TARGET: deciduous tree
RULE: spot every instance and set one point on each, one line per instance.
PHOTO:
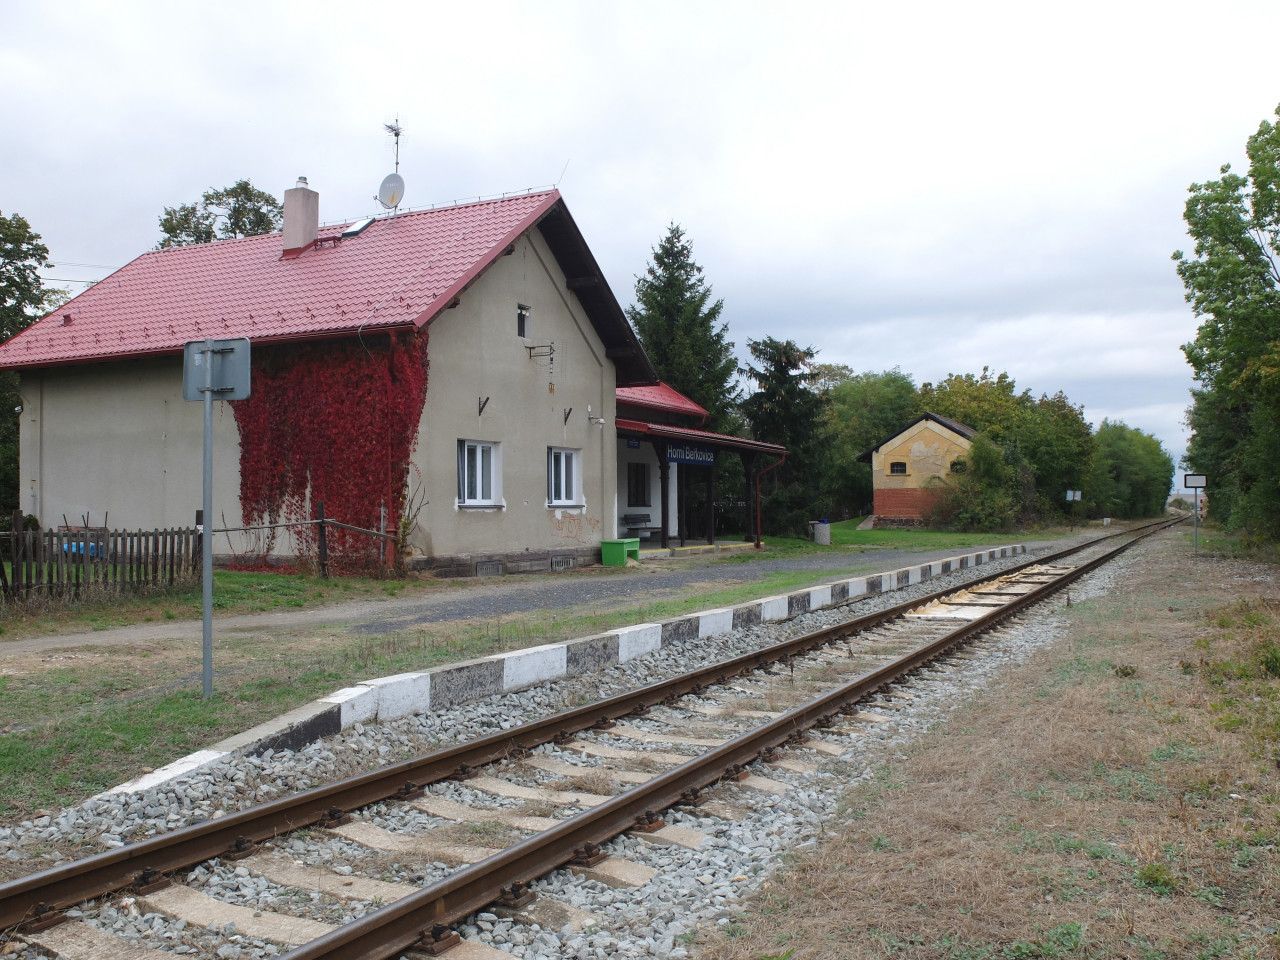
(862, 410)
(1129, 475)
(1232, 281)
(1047, 442)
(240, 210)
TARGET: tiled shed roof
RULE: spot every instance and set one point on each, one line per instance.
(661, 396)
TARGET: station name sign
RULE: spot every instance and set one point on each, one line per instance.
(1194, 481)
(691, 454)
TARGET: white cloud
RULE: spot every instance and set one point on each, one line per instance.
(935, 186)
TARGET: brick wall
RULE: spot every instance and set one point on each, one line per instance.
(904, 502)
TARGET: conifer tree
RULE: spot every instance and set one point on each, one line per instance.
(679, 325)
(786, 409)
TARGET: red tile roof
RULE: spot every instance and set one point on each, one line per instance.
(698, 436)
(660, 396)
(399, 271)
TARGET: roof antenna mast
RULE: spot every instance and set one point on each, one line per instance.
(391, 192)
(394, 129)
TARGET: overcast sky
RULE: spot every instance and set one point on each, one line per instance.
(936, 187)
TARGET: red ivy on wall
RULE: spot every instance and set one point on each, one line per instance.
(335, 423)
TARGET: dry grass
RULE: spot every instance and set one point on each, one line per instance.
(1117, 797)
(593, 780)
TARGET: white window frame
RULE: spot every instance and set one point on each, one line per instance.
(471, 464)
(570, 493)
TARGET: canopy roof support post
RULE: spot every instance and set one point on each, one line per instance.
(664, 474)
(682, 502)
(748, 505)
(759, 507)
(711, 504)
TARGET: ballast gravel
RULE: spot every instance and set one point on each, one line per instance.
(696, 886)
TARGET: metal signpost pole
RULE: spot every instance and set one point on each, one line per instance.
(1195, 482)
(204, 384)
(206, 540)
(1197, 522)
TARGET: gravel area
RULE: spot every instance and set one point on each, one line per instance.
(319, 849)
(502, 596)
(239, 885)
(650, 582)
(126, 919)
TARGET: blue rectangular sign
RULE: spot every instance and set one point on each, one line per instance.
(691, 454)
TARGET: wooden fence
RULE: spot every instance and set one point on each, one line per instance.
(71, 563)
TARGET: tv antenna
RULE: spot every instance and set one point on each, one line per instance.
(395, 130)
(391, 192)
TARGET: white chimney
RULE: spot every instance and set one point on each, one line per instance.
(301, 217)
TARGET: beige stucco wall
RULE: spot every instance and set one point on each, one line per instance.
(928, 450)
(116, 441)
(475, 353)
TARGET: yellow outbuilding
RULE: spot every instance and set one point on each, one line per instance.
(905, 467)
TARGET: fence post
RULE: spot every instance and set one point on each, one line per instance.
(17, 578)
(323, 542)
(197, 559)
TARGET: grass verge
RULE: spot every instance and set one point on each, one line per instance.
(1116, 797)
(234, 592)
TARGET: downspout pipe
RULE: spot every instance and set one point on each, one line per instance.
(760, 473)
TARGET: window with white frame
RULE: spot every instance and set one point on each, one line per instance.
(563, 484)
(479, 473)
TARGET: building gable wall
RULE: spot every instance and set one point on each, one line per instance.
(116, 443)
(530, 404)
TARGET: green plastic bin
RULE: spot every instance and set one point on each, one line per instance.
(614, 553)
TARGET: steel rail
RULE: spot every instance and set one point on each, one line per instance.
(392, 929)
(43, 894)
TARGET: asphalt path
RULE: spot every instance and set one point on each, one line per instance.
(504, 596)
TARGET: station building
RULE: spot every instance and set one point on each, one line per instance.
(516, 459)
(907, 468)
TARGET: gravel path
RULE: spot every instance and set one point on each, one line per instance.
(505, 596)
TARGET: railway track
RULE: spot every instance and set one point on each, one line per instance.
(643, 752)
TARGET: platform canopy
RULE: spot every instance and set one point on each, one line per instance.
(692, 451)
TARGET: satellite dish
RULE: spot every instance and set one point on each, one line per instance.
(392, 191)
